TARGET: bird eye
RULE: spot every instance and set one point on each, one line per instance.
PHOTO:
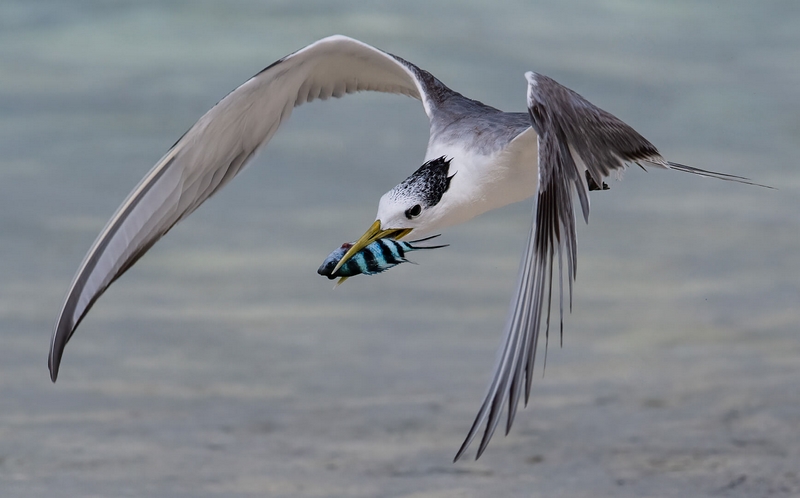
(413, 212)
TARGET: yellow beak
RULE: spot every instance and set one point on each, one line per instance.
(371, 235)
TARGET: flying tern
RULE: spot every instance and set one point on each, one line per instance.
(478, 158)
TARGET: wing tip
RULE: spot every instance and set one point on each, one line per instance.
(53, 370)
(53, 362)
(61, 335)
(463, 447)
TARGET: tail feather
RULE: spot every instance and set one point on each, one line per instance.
(714, 174)
(428, 247)
(423, 240)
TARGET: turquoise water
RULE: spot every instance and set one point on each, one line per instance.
(223, 365)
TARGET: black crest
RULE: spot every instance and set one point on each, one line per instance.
(429, 182)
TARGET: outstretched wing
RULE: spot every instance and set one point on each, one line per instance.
(575, 139)
(219, 145)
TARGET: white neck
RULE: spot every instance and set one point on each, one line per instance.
(485, 182)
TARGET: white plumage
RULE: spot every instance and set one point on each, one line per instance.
(478, 159)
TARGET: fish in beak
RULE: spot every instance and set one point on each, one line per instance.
(374, 233)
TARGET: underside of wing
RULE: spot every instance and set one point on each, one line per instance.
(219, 145)
(564, 159)
(552, 240)
(575, 139)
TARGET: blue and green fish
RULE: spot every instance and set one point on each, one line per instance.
(376, 257)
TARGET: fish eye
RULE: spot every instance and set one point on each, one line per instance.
(413, 212)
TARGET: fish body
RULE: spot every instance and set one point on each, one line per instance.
(375, 258)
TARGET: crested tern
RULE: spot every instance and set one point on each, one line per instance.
(478, 158)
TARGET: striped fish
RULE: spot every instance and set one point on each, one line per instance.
(377, 257)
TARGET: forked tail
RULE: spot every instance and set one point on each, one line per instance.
(410, 242)
(714, 174)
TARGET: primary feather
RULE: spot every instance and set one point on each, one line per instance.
(478, 158)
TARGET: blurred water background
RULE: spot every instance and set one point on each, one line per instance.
(222, 365)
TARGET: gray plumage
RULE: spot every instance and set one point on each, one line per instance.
(490, 158)
(577, 141)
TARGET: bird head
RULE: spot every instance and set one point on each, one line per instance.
(414, 204)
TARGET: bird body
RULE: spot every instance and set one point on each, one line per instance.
(478, 158)
(487, 178)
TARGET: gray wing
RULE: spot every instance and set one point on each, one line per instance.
(598, 141)
(552, 233)
(575, 138)
(219, 145)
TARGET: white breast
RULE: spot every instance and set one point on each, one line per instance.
(485, 182)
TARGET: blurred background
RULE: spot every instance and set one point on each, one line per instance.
(222, 365)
